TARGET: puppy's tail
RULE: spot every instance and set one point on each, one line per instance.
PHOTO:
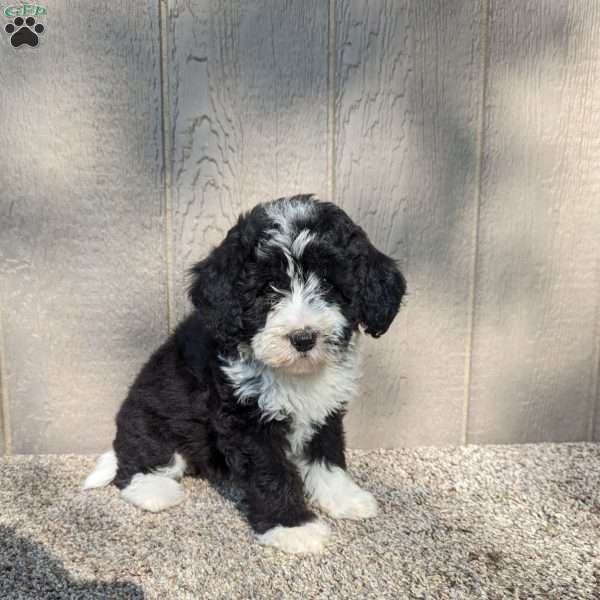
(103, 473)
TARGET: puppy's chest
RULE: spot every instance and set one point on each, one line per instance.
(307, 404)
(305, 401)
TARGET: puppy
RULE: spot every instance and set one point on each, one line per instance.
(255, 382)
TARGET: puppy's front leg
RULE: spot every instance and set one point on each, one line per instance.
(277, 508)
(324, 472)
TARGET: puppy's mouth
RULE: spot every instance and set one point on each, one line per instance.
(304, 362)
(294, 361)
(296, 351)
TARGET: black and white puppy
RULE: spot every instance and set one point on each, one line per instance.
(255, 382)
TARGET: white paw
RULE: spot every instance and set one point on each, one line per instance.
(153, 492)
(309, 538)
(359, 504)
(334, 491)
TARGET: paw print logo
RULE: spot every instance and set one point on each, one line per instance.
(24, 32)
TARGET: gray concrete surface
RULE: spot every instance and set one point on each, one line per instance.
(456, 524)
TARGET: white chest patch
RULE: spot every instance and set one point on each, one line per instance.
(306, 399)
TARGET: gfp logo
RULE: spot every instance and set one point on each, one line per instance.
(25, 10)
(24, 30)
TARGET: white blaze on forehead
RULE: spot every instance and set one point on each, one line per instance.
(304, 306)
(292, 246)
(284, 213)
(285, 235)
(300, 242)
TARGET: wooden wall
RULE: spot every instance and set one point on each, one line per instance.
(464, 135)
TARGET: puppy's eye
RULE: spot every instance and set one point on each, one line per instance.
(326, 284)
(269, 297)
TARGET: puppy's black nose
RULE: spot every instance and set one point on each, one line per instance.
(303, 339)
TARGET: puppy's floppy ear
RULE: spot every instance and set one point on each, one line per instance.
(215, 280)
(383, 287)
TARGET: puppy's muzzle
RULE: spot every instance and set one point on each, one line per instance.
(303, 339)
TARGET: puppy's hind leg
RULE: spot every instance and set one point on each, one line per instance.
(156, 490)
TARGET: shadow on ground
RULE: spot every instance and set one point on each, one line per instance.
(28, 571)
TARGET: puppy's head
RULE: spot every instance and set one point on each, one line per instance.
(292, 282)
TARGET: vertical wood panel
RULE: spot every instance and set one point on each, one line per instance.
(537, 278)
(594, 424)
(4, 409)
(248, 95)
(82, 255)
(3, 400)
(408, 82)
(81, 222)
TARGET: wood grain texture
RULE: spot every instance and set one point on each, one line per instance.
(407, 87)
(4, 408)
(538, 280)
(258, 96)
(82, 265)
(3, 400)
(248, 96)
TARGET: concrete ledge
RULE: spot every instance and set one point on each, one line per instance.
(475, 522)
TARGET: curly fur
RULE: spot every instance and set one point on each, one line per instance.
(230, 394)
